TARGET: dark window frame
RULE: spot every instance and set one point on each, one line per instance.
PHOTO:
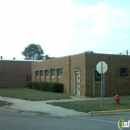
(123, 72)
(47, 72)
(41, 73)
(53, 73)
(97, 76)
(37, 73)
(59, 72)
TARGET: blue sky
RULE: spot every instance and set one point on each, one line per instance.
(64, 27)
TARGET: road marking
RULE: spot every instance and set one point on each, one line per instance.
(103, 121)
(106, 121)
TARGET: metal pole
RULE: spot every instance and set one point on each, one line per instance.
(93, 83)
(101, 82)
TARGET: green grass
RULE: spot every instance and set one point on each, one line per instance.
(31, 94)
(4, 103)
(94, 105)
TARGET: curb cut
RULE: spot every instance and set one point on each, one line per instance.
(109, 112)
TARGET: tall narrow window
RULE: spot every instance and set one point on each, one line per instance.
(53, 72)
(41, 73)
(97, 76)
(47, 72)
(37, 73)
(59, 72)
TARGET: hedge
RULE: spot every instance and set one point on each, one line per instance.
(46, 86)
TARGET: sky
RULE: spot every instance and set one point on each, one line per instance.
(64, 27)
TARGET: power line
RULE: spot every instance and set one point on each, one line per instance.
(124, 53)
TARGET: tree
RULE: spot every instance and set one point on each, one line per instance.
(47, 57)
(89, 52)
(33, 52)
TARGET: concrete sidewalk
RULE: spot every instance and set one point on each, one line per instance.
(43, 107)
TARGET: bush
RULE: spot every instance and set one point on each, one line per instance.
(46, 86)
(56, 87)
(31, 85)
(37, 86)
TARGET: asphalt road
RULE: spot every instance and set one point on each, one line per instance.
(18, 120)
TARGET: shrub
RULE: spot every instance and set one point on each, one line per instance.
(56, 87)
(29, 84)
(37, 86)
(46, 86)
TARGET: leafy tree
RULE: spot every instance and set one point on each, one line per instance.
(47, 57)
(33, 52)
(89, 52)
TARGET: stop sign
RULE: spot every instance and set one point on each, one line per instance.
(101, 67)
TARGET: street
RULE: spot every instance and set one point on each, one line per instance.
(18, 120)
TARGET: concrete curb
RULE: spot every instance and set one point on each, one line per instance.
(109, 112)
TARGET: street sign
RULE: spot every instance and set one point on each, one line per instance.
(102, 69)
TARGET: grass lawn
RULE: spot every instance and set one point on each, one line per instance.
(94, 105)
(31, 94)
(4, 103)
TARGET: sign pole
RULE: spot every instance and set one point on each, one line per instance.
(101, 82)
(101, 67)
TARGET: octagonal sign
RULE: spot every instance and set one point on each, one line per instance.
(101, 67)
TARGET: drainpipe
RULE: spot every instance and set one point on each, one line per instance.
(85, 74)
(69, 74)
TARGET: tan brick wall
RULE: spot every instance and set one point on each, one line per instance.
(120, 83)
(77, 62)
(86, 64)
(68, 65)
(62, 62)
(113, 81)
(53, 79)
(91, 62)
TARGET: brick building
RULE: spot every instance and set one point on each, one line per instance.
(14, 73)
(79, 76)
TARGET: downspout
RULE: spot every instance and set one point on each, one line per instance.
(85, 74)
(69, 74)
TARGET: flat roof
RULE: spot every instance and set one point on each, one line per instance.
(19, 60)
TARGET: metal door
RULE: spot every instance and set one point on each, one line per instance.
(77, 82)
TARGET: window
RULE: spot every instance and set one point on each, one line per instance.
(123, 72)
(37, 73)
(97, 76)
(53, 72)
(47, 72)
(41, 73)
(59, 72)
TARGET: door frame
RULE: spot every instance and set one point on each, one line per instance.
(75, 86)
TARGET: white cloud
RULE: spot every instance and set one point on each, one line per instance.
(59, 26)
(107, 19)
